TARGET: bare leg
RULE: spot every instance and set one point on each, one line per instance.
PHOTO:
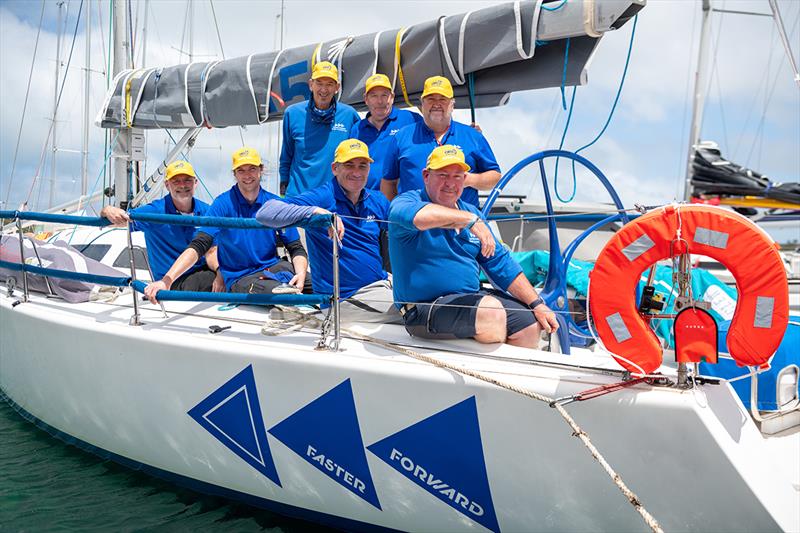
(526, 338)
(490, 321)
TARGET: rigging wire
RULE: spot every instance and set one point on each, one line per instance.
(58, 102)
(715, 77)
(768, 100)
(687, 97)
(24, 106)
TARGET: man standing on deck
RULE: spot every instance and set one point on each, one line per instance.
(363, 282)
(409, 150)
(248, 259)
(312, 130)
(438, 244)
(382, 122)
(165, 242)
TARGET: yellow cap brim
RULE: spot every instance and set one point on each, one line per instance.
(180, 174)
(376, 85)
(319, 75)
(247, 161)
(436, 90)
(347, 158)
(441, 164)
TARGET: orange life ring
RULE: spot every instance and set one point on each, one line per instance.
(762, 308)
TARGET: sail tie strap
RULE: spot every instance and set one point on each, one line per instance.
(399, 67)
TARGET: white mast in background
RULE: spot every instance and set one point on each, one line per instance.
(54, 144)
(86, 91)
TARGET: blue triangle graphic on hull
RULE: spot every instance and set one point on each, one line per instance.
(327, 435)
(443, 454)
(232, 414)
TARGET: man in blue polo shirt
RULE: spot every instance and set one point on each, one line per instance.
(312, 130)
(411, 146)
(438, 244)
(248, 259)
(164, 242)
(363, 282)
(382, 122)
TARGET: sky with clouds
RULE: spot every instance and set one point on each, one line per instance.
(752, 111)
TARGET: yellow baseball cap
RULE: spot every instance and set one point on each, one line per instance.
(246, 156)
(351, 149)
(444, 156)
(325, 69)
(179, 167)
(438, 85)
(377, 80)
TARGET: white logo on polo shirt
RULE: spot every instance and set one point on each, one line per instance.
(339, 127)
(392, 132)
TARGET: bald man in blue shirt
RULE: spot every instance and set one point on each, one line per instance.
(406, 156)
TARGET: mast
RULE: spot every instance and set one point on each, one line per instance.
(699, 96)
(87, 86)
(54, 144)
(122, 165)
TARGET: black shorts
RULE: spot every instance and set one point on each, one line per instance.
(453, 316)
(257, 283)
(200, 280)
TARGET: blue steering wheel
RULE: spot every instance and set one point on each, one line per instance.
(554, 292)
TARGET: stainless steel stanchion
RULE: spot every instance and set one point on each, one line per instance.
(135, 319)
(22, 261)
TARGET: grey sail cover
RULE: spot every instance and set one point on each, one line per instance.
(505, 48)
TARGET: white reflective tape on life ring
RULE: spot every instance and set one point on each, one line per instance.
(764, 307)
(618, 327)
(638, 247)
(709, 237)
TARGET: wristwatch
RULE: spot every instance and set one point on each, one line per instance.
(536, 303)
(475, 218)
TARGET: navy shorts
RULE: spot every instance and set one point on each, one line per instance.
(453, 316)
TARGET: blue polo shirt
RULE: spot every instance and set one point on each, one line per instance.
(409, 150)
(242, 252)
(308, 145)
(360, 261)
(165, 242)
(436, 262)
(379, 141)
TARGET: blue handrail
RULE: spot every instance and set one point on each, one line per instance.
(180, 220)
(313, 221)
(237, 298)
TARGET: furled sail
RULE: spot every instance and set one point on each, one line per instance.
(505, 48)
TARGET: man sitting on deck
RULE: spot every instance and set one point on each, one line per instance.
(165, 242)
(363, 281)
(248, 259)
(381, 124)
(438, 244)
(411, 146)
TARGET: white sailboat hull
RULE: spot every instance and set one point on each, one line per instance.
(148, 395)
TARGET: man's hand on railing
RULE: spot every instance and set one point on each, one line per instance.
(115, 215)
(152, 289)
(219, 284)
(299, 280)
(339, 225)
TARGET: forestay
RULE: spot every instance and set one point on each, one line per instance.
(506, 48)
